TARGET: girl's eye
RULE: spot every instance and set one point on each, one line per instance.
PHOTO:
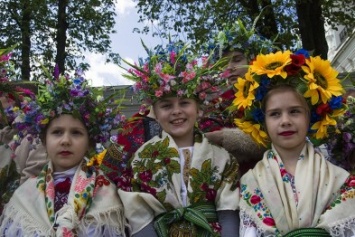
(56, 132)
(237, 59)
(273, 114)
(295, 111)
(77, 132)
(165, 106)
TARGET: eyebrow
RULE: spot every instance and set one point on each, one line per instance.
(292, 107)
(71, 128)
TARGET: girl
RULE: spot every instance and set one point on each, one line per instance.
(240, 46)
(12, 93)
(181, 184)
(293, 191)
(71, 196)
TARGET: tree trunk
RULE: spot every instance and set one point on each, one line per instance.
(61, 35)
(269, 27)
(26, 40)
(311, 26)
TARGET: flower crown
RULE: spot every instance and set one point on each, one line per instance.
(64, 95)
(237, 37)
(342, 146)
(173, 70)
(11, 90)
(312, 77)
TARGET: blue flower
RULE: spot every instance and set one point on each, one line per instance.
(336, 102)
(262, 89)
(302, 51)
(258, 115)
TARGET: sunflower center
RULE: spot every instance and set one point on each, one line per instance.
(246, 89)
(320, 80)
(273, 65)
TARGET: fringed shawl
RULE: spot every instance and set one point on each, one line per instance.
(326, 196)
(157, 179)
(93, 207)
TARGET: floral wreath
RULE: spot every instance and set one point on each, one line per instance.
(64, 95)
(312, 77)
(341, 146)
(237, 37)
(173, 70)
(9, 89)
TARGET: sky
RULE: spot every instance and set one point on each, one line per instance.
(124, 42)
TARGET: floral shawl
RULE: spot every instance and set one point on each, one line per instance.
(326, 196)
(156, 181)
(93, 207)
(9, 174)
(135, 132)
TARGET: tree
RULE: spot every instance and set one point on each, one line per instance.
(56, 32)
(284, 19)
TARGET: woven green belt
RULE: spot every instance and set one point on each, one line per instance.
(193, 220)
(308, 232)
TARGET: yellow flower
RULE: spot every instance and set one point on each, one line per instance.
(322, 80)
(322, 127)
(245, 92)
(272, 64)
(97, 159)
(254, 130)
(45, 121)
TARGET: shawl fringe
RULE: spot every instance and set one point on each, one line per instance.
(343, 228)
(247, 221)
(108, 219)
(14, 222)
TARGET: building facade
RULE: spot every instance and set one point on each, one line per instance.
(341, 54)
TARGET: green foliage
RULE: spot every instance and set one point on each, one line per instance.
(88, 26)
(199, 18)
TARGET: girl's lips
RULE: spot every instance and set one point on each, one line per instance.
(287, 133)
(65, 153)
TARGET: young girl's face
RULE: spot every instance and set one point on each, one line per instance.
(66, 141)
(177, 116)
(287, 120)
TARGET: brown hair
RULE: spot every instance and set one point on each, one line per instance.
(283, 88)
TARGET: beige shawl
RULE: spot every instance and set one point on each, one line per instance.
(326, 197)
(141, 207)
(29, 210)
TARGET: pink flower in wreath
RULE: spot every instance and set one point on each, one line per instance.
(158, 93)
